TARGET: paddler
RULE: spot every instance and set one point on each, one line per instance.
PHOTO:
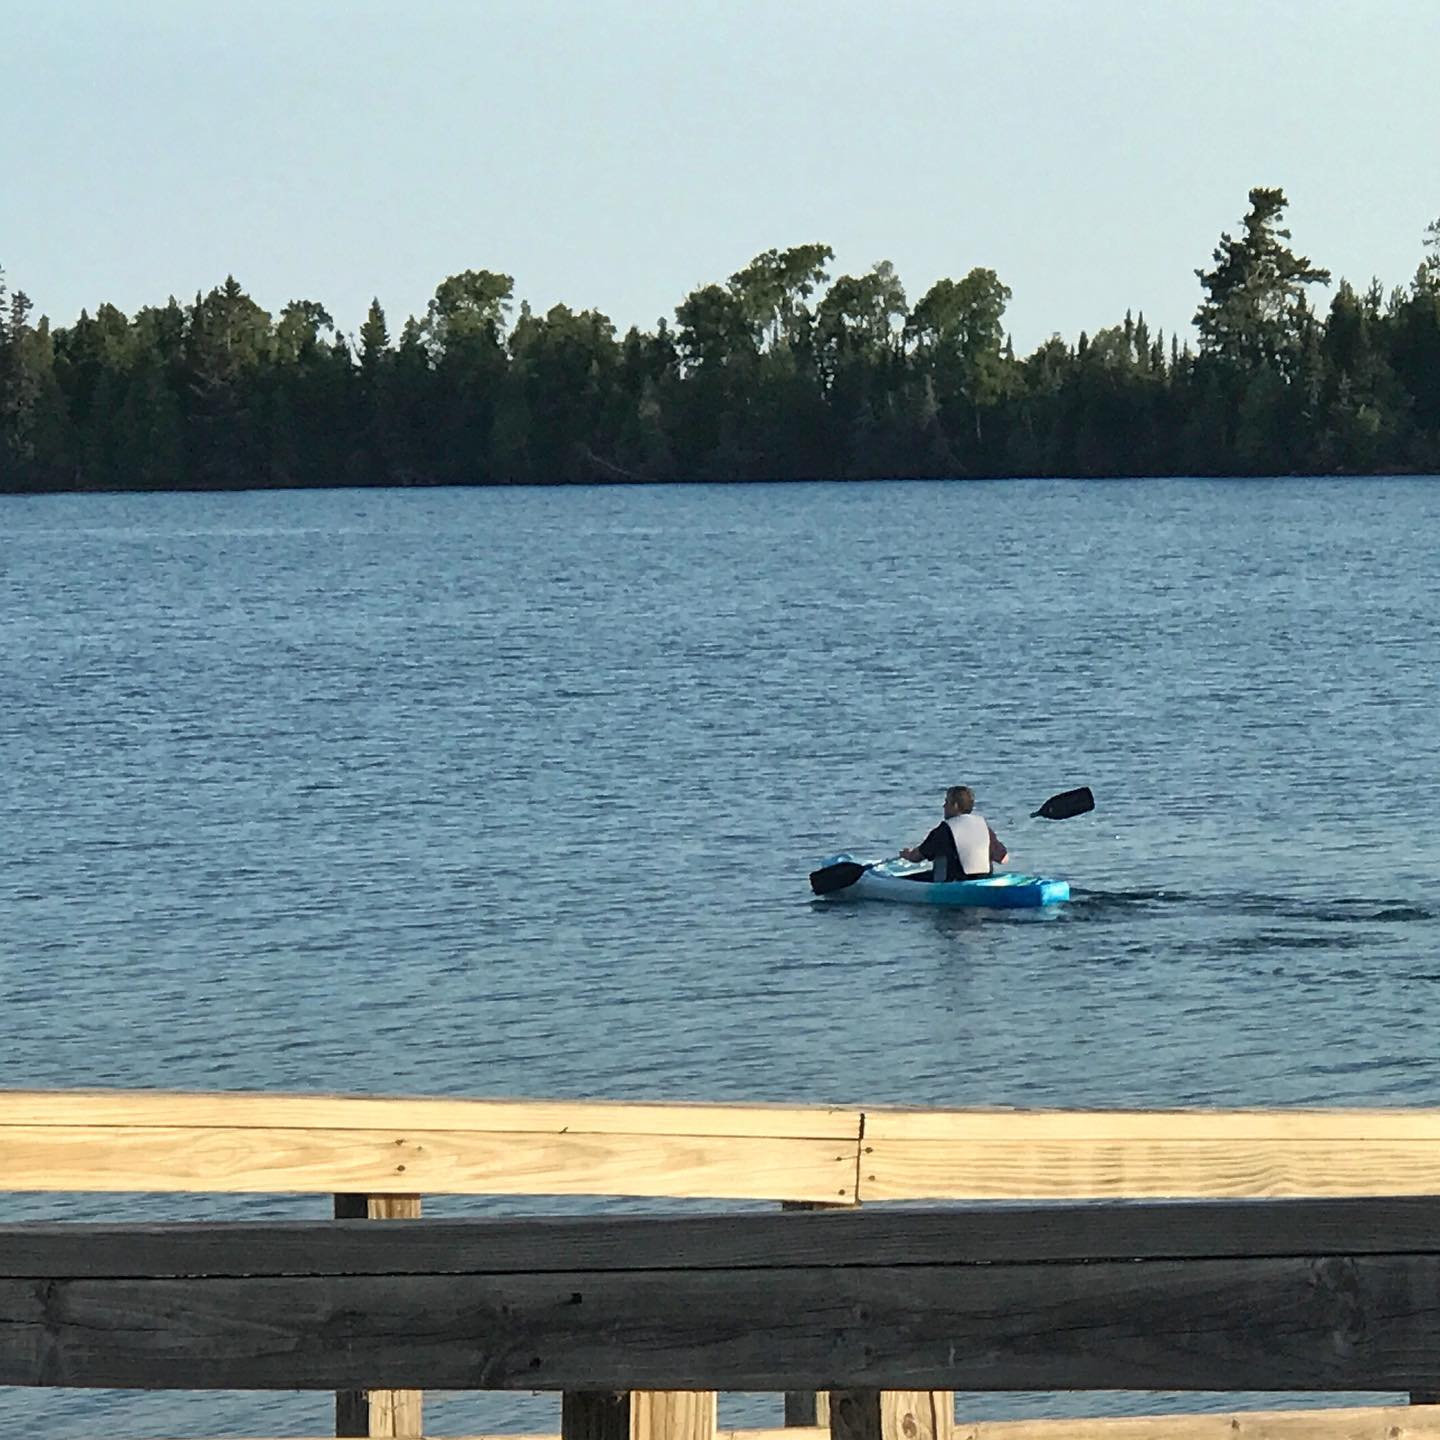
(962, 846)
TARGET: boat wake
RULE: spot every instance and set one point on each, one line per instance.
(1357, 910)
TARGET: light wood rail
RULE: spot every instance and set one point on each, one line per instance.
(159, 1141)
(1131, 1155)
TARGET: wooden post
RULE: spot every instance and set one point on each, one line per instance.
(595, 1415)
(370, 1413)
(673, 1414)
(892, 1415)
(806, 1408)
(638, 1415)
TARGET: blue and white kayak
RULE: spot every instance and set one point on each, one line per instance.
(890, 880)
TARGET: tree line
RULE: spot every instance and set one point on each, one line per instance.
(779, 373)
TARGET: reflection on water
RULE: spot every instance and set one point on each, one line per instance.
(516, 792)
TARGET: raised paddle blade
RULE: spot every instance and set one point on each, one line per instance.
(1062, 807)
(835, 877)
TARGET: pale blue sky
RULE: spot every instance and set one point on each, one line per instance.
(619, 154)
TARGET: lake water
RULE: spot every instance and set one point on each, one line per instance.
(514, 792)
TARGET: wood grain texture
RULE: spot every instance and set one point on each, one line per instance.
(760, 1433)
(638, 1415)
(954, 1236)
(806, 1410)
(1366, 1323)
(1144, 1169)
(787, 1432)
(1311, 1126)
(892, 1415)
(378, 1413)
(391, 1414)
(595, 1415)
(248, 1110)
(1083, 1154)
(673, 1414)
(469, 1162)
(1381, 1422)
(1378, 1422)
(159, 1141)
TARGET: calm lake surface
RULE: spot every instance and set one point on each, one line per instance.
(514, 792)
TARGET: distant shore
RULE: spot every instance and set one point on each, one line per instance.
(412, 484)
(781, 373)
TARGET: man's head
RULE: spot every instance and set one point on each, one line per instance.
(959, 800)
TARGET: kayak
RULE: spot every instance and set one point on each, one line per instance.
(889, 880)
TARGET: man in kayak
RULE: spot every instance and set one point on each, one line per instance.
(962, 846)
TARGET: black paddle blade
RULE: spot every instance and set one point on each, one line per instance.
(835, 877)
(1062, 807)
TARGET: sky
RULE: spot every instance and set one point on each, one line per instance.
(617, 155)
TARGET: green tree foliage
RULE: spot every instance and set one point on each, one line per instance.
(861, 316)
(773, 288)
(1415, 327)
(464, 330)
(469, 312)
(227, 343)
(1255, 292)
(564, 370)
(717, 342)
(11, 403)
(858, 334)
(715, 331)
(1428, 277)
(374, 341)
(957, 332)
(777, 372)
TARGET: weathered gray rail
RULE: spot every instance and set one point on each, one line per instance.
(1326, 1295)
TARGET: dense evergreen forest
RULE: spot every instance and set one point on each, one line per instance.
(779, 373)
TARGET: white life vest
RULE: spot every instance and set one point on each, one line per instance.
(972, 842)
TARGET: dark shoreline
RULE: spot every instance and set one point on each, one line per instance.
(30, 492)
(780, 373)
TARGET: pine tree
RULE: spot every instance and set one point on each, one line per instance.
(374, 340)
(1254, 293)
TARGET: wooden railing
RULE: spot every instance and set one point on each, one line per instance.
(304, 1144)
(905, 1305)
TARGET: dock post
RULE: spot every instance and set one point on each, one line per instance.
(638, 1415)
(807, 1408)
(892, 1414)
(372, 1413)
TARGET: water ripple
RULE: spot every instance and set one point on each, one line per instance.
(515, 793)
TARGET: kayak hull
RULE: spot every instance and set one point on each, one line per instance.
(889, 880)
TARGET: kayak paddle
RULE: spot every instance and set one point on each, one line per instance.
(836, 877)
(844, 873)
(1062, 807)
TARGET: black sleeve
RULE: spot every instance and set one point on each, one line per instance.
(938, 844)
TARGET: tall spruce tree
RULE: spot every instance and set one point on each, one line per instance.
(1251, 313)
(374, 340)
